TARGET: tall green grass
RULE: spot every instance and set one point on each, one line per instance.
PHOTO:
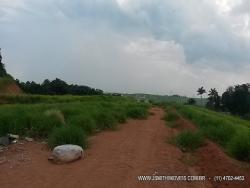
(171, 116)
(67, 135)
(188, 140)
(44, 118)
(223, 129)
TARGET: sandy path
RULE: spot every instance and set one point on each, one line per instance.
(115, 159)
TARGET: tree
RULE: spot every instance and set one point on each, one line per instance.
(237, 99)
(57, 87)
(214, 100)
(191, 101)
(201, 91)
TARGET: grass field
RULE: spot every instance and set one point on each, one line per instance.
(231, 133)
(65, 119)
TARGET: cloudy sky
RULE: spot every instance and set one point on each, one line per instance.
(150, 46)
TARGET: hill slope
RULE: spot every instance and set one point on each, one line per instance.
(9, 86)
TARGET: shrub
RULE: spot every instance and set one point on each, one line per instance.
(171, 116)
(67, 134)
(137, 112)
(188, 140)
(120, 116)
(239, 146)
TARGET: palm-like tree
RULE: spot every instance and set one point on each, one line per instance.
(201, 91)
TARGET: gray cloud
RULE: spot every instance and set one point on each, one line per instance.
(148, 46)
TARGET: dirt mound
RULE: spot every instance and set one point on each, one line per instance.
(11, 88)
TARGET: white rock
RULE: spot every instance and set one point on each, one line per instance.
(13, 136)
(67, 153)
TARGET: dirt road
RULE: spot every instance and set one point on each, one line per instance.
(114, 159)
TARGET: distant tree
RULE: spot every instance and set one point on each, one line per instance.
(237, 99)
(57, 87)
(191, 101)
(214, 100)
(201, 91)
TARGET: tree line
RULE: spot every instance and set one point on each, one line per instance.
(236, 99)
(56, 87)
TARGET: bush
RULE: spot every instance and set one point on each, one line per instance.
(239, 146)
(188, 140)
(137, 112)
(120, 116)
(171, 116)
(67, 134)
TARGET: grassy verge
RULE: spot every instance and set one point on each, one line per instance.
(232, 133)
(66, 115)
(189, 141)
(171, 117)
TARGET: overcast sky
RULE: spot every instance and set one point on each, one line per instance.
(149, 46)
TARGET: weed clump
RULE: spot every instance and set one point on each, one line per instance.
(171, 116)
(67, 134)
(137, 112)
(189, 141)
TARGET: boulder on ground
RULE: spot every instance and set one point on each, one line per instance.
(66, 153)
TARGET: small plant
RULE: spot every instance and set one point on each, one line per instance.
(189, 141)
(67, 134)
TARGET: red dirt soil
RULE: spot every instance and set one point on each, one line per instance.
(212, 161)
(114, 159)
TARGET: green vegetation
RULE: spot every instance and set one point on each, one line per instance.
(156, 99)
(48, 116)
(69, 134)
(240, 146)
(223, 129)
(171, 116)
(49, 99)
(56, 87)
(138, 112)
(188, 140)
